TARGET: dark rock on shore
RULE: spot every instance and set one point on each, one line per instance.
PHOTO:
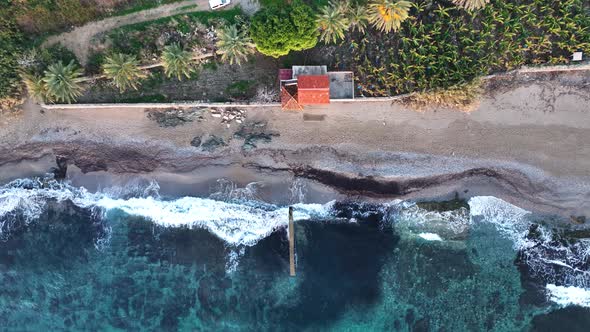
(254, 132)
(60, 171)
(174, 117)
(196, 141)
(213, 143)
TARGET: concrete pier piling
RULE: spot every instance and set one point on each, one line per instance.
(291, 243)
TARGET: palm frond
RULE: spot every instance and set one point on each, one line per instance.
(123, 70)
(234, 44)
(177, 62)
(36, 87)
(387, 15)
(63, 82)
(332, 22)
(471, 4)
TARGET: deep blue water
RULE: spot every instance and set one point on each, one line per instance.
(359, 269)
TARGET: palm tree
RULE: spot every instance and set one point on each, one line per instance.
(387, 15)
(63, 82)
(123, 70)
(471, 4)
(235, 45)
(332, 22)
(358, 18)
(36, 87)
(176, 61)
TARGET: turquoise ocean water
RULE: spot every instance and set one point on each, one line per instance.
(71, 260)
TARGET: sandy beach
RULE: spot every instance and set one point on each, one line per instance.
(527, 142)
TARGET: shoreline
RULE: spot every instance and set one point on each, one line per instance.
(526, 143)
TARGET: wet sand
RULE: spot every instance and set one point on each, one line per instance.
(528, 142)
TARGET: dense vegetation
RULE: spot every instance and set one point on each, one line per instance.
(43, 16)
(23, 24)
(11, 43)
(280, 30)
(441, 45)
(147, 40)
(393, 46)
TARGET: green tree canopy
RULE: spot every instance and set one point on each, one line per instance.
(277, 31)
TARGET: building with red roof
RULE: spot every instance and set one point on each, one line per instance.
(313, 89)
(313, 85)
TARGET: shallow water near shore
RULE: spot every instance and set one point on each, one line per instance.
(132, 259)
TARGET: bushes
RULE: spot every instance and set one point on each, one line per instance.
(10, 50)
(48, 16)
(462, 96)
(277, 31)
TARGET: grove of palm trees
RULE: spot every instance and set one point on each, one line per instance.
(393, 46)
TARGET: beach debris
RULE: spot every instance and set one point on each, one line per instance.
(196, 141)
(228, 115)
(253, 132)
(213, 143)
(173, 117)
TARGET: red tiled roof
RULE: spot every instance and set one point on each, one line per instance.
(313, 82)
(313, 89)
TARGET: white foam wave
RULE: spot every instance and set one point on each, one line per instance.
(565, 296)
(547, 259)
(415, 219)
(430, 236)
(235, 223)
(509, 219)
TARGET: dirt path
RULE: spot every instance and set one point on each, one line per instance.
(80, 39)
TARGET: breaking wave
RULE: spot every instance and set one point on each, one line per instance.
(239, 218)
(565, 296)
(237, 222)
(551, 257)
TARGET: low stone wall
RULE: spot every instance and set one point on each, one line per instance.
(524, 70)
